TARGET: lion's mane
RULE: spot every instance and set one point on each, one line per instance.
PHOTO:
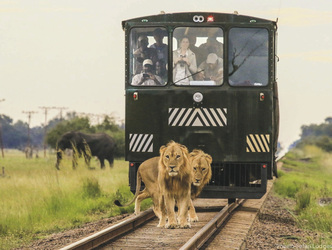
(174, 178)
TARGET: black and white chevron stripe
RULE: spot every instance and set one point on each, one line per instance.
(197, 117)
(257, 143)
(140, 142)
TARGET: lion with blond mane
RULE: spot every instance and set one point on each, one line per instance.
(174, 179)
(200, 163)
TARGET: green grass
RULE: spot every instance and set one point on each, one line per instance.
(306, 177)
(37, 200)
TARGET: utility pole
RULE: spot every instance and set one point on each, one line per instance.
(1, 141)
(29, 120)
(45, 112)
(61, 109)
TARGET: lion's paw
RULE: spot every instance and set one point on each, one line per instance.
(187, 225)
(161, 224)
(194, 219)
(171, 226)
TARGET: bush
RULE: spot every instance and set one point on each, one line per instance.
(302, 198)
(287, 186)
(91, 188)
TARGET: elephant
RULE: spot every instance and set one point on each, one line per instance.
(100, 145)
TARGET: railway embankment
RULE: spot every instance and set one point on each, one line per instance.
(298, 211)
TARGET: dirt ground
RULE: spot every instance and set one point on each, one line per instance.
(275, 228)
(59, 240)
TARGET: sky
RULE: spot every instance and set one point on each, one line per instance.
(70, 54)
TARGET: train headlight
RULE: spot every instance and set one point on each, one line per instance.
(198, 19)
(198, 97)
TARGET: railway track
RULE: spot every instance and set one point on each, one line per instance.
(220, 224)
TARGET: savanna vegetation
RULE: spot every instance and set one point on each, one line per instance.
(15, 135)
(319, 135)
(306, 177)
(37, 200)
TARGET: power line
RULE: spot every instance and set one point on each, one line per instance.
(30, 113)
(46, 109)
(45, 124)
(61, 109)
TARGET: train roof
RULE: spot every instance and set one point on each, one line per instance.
(188, 17)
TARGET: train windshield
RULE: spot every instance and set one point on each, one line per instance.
(248, 57)
(198, 56)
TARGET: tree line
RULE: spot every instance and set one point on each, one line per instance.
(18, 135)
(317, 134)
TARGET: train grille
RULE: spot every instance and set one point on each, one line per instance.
(236, 174)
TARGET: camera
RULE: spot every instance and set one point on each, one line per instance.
(146, 75)
(182, 63)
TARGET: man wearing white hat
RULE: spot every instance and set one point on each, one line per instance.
(146, 77)
(211, 69)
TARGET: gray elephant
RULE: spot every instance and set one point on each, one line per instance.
(100, 145)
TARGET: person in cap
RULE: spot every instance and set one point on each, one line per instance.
(143, 52)
(211, 69)
(146, 77)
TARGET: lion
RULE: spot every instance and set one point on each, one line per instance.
(202, 173)
(174, 179)
(148, 173)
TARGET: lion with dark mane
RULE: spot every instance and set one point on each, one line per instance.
(200, 163)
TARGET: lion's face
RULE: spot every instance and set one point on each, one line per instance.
(201, 164)
(174, 157)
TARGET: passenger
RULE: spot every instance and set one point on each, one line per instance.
(161, 71)
(143, 52)
(159, 46)
(200, 55)
(184, 63)
(211, 69)
(146, 77)
(212, 45)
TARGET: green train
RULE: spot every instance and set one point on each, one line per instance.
(208, 81)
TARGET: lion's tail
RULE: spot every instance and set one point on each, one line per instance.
(138, 187)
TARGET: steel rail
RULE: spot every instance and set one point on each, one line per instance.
(112, 232)
(202, 236)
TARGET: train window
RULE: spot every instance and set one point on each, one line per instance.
(148, 56)
(198, 56)
(248, 57)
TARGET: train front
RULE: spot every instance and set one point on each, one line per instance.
(207, 84)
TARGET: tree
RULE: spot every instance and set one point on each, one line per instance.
(13, 135)
(319, 135)
(328, 120)
(75, 124)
